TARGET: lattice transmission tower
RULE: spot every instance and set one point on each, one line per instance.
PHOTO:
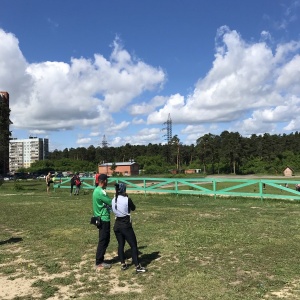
(168, 136)
(168, 123)
(104, 142)
(104, 145)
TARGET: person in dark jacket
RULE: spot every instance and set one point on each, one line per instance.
(122, 205)
(77, 184)
(72, 182)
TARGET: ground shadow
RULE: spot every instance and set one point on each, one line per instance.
(12, 240)
(145, 259)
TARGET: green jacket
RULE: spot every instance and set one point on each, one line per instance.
(100, 202)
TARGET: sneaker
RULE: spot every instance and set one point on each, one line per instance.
(140, 269)
(103, 266)
(124, 267)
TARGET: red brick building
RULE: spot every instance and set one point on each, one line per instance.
(122, 168)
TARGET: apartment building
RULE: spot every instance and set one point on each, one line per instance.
(23, 152)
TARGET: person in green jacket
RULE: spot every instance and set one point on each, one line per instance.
(101, 209)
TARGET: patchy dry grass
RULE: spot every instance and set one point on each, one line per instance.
(194, 248)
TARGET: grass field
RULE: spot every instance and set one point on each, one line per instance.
(194, 247)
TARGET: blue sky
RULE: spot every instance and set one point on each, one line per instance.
(77, 71)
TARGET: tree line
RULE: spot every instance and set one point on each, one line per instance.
(227, 153)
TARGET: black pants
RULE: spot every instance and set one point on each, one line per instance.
(123, 235)
(71, 190)
(104, 238)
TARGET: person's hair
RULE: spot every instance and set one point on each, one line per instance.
(120, 188)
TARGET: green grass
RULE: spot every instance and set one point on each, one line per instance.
(195, 247)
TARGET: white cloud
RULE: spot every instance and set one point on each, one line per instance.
(290, 14)
(244, 77)
(142, 137)
(173, 107)
(191, 129)
(13, 63)
(251, 87)
(94, 133)
(137, 121)
(37, 132)
(119, 127)
(52, 96)
(84, 141)
(266, 36)
(145, 108)
(288, 76)
(266, 120)
(294, 125)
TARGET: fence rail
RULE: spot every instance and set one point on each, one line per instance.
(262, 188)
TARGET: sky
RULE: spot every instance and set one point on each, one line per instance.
(80, 72)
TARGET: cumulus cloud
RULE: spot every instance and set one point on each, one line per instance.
(83, 141)
(245, 78)
(144, 108)
(142, 137)
(13, 63)
(53, 95)
(137, 121)
(251, 87)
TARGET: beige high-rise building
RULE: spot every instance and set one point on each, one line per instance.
(23, 152)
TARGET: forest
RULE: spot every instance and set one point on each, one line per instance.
(227, 153)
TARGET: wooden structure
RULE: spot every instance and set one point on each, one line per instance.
(214, 187)
(288, 172)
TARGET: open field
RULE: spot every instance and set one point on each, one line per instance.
(195, 247)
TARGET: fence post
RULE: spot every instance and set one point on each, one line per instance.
(261, 185)
(215, 188)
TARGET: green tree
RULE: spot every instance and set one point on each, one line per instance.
(113, 168)
(175, 150)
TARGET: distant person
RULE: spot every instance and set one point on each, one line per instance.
(122, 205)
(97, 179)
(48, 182)
(101, 209)
(72, 182)
(77, 184)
